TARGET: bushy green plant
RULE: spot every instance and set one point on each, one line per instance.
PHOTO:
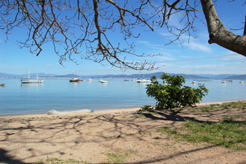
(174, 94)
(146, 108)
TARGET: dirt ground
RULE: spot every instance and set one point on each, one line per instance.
(114, 136)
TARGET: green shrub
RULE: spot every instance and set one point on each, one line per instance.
(174, 94)
(146, 108)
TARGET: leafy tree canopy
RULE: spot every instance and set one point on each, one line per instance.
(173, 93)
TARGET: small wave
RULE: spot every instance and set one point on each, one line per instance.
(52, 111)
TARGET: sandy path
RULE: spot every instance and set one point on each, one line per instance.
(96, 137)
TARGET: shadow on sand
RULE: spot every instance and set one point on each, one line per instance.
(105, 130)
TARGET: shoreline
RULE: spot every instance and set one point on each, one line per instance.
(97, 112)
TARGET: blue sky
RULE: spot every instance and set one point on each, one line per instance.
(197, 57)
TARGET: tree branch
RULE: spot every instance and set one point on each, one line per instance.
(83, 29)
(244, 32)
(218, 33)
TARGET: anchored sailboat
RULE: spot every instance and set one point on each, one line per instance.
(29, 80)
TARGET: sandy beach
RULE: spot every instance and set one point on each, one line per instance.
(101, 136)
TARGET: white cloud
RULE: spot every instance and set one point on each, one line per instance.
(188, 41)
(231, 55)
(230, 58)
(165, 58)
(197, 46)
(158, 48)
(201, 66)
(165, 34)
(143, 42)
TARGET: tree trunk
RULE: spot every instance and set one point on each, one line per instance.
(219, 34)
(244, 32)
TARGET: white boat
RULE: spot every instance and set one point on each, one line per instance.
(241, 81)
(29, 80)
(193, 82)
(90, 79)
(143, 81)
(103, 81)
(224, 81)
(75, 79)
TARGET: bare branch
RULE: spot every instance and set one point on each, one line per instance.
(83, 29)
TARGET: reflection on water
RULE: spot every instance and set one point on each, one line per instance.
(31, 86)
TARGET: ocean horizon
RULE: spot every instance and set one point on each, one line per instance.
(62, 95)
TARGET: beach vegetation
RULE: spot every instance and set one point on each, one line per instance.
(108, 137)
(224, 106)
(119, 157)
(228, 133)
(228, 119)
(131, 151)
(50, 160)
(207, 109)
(129, 134)
(137, 115)
(235, 104)
(175, 94)
(147, 108)
(116, 157)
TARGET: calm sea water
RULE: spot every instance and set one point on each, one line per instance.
(61, 95)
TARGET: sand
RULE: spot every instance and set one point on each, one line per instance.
(109, 136)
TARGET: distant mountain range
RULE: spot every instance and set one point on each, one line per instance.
(157, 74)
(26, 75)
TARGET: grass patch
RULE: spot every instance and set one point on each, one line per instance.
(167, 129)
(108, 137)
(134, 116)
(207, 109)
(237, 104)
(228, 105)
(228, 119)
(130, 151)
(137, 115)
(146, 108)
(119, 157)
(155, 113)
(214, 105)
(129, 134)
(61, 161)
(116, 157)
(224, 106)
(227, 133)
